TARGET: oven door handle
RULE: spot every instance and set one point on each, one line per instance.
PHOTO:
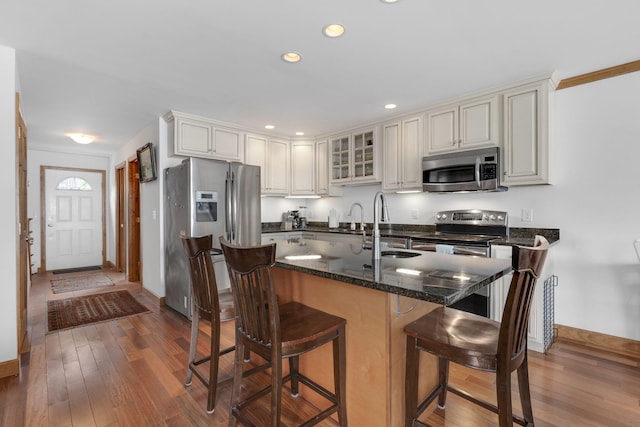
(458, 250)
(478, 171)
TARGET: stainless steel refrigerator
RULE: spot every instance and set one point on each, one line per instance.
(207, 197)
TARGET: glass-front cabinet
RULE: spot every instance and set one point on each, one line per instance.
(353, 158)
(340, 159)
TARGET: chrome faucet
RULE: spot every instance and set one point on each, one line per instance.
(353, 223)
(376, 222)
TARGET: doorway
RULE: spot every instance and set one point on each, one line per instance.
(24, 260)
(73, 212)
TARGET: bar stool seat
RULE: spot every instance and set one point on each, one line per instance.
(276, 332)
(479, 343)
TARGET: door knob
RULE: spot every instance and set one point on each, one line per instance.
(49, 225)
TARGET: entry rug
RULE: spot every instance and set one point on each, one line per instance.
(76, 283)
(79, 311)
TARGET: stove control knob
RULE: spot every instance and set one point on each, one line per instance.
(492, 217)
(500, 218)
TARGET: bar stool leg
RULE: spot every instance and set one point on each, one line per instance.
(276, 389)
(503, 391)
(443, 378)
(214, 363)
(237, 379)
(339, 375)
(193, 345)
(525, 393)
(411, 381)
(294, 366)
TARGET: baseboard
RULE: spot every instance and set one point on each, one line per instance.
(9, 368)
(159, 301)
(623, 346)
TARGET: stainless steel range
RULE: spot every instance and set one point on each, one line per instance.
(466, 232)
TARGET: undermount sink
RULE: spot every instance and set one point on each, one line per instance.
(400, 254)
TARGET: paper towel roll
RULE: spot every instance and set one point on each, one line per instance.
(333, 219)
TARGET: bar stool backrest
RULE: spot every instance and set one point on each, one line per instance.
(204, 289)
(253, 292)
(527, 266)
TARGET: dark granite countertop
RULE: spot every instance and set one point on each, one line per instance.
(430, 276)
(517, 236)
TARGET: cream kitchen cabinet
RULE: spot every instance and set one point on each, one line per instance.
(323, 183)
(463, 126)
(272, 155)
(303, 165)
(527, 116)
(540, 334)
(195, 136)
(402, 148)
(353, 158)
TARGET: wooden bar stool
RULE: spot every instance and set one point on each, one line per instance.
(479, 343)
(205, 306)
(276, 332)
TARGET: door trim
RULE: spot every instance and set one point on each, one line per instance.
(43, 205)
(121, 217)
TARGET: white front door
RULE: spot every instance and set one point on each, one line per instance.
(73, 218)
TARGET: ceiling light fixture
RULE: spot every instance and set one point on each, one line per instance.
(291, 57)
(81, 138)
(299, 133)
(390, 106)
(269, 127)
(389, 1)
(333, 30)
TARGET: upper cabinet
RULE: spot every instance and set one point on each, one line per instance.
(402, 155)
(200, 137)
(463, 126)
(303, 166)
(323, 183)
(353, 158)
(527, 116)
(272, 156)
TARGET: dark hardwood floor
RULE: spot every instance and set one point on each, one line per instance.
(130, 372)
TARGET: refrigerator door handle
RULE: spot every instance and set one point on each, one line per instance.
(234, 208)
(228, 207)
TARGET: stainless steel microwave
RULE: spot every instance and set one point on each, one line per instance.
(473, 170)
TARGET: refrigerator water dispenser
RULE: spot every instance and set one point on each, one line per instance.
(206, 206)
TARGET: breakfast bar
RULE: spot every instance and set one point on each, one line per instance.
(378, 298)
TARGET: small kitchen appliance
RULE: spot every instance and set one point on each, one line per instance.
(473, 170)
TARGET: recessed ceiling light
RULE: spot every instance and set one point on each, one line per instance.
(390, 106)
(291, 57)
(389, 1)
(269, 127)
(81, 138)
(333, 30)
(300, 133)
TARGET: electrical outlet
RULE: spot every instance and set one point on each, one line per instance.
(415, 214)
(185, 301)
(527, 215)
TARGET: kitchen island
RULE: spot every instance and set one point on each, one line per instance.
(378, 299)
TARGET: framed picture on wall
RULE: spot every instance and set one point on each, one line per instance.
(146, 163)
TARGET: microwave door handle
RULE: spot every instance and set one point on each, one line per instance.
(478, 171)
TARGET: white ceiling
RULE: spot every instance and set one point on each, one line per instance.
(112, 67)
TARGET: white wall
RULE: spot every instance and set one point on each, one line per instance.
(9, 211)
(594, 201)
(151, 198)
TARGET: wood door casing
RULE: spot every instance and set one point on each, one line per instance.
(23, 245)
(134, 265)
(121, 218)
